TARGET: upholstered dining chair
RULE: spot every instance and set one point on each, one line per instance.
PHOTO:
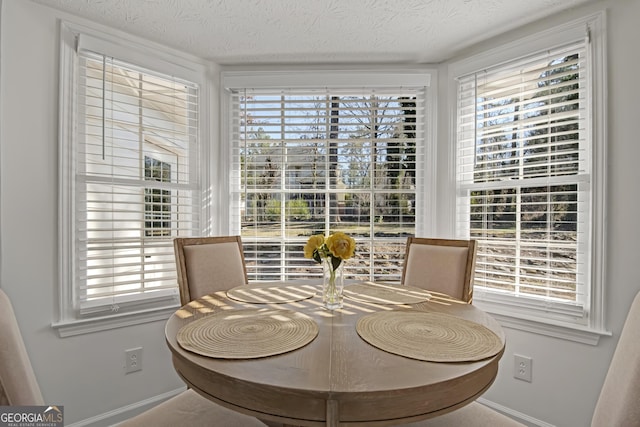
(472, 415)
(19, 387)
(189, 409)
(440, 265)
(618, 401)
(617, 404)
(208, 264)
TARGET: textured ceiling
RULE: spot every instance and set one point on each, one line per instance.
(315, 31)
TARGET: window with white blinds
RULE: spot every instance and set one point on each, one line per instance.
(320, 160)
(524, 179)
(135, 178)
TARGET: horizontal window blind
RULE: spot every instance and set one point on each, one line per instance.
(136, 184)
(523, 176)
(316, 161)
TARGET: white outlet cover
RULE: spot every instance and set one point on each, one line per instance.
(522, 367)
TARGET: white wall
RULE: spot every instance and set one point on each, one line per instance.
(567, 376)
(86, 373)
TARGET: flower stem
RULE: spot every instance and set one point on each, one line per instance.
(331, 296)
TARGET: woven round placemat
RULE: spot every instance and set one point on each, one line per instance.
(385, 294)
(270, 293)
(432, 337)
(247, 333)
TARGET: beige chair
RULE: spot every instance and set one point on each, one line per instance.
(440, 265)
(208, 264)
(472, 415)
(189, 409)
(18, 386)
(620, 393)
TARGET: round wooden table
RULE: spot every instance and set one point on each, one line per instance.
(338, 379)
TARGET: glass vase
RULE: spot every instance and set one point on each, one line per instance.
(332, 285)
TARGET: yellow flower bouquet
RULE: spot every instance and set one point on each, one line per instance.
(331, 251)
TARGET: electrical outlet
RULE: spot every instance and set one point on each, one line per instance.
(133, 360)
(522, 366)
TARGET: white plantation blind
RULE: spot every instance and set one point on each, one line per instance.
(320, 160)
(523, 175)
(136, 185)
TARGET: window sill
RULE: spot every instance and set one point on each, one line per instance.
(552, 328)
(72, 327)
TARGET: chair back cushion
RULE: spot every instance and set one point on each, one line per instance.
(213, 267)
(18, 385)
(437, 268)
(619, 401)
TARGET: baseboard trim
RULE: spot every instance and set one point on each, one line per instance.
(113, 418)
(518, 416)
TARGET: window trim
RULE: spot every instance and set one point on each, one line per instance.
(152, 56)
(594, 27)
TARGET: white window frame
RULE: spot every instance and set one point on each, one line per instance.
(509, 310)
(347, 78)
(150, 56)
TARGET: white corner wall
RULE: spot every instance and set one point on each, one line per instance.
(86, 373)
(83, 373)
(567, 376)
